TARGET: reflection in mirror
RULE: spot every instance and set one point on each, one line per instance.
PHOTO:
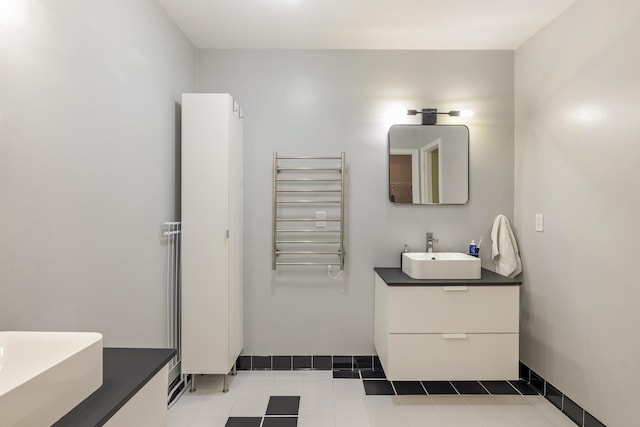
(429, 165)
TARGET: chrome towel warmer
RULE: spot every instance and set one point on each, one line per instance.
(308, 191)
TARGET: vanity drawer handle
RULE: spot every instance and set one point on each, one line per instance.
(454, 288)
(454, 336)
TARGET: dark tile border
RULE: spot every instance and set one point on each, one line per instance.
(318, 362)
(323, 363)
(369, 368)
(572, 410)
(301, 362)
(553, 395)
(281, 363)
(591, 421)
(561, 401)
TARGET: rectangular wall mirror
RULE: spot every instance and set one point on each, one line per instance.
(429, 165)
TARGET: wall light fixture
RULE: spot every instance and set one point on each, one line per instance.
(430, 115)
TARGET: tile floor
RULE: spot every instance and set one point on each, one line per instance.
(317, 399)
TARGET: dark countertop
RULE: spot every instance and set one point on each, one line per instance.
(394, 276)
(125, 372)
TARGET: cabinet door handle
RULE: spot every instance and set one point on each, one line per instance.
(454, 288)
(454, 336)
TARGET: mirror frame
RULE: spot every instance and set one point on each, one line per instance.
(429, 204)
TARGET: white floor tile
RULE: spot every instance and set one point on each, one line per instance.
(318, 375)
(388, 406)
(290, 375)
(256, 387)
(287, 386)
(495, 421)
(316, 421)
(346, 421)
(175, 420)
(539, 421)
(348, 387)
(417, 406)
(500, 405)
(450, 405)
(431, 420)
(317, 387)
(461, 420)
(250, 406)
(382, 421)
(351, 406)
(316, 405)
(188, 404)
(262, 374)
(210, 421)
(216, 405)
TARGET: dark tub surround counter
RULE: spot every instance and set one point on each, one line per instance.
(126, 371)
(394, 276)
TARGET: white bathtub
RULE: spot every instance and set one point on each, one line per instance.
(43, 375)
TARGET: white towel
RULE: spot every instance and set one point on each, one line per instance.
(504, 249)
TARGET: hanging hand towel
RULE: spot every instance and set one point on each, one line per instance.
(504, 249)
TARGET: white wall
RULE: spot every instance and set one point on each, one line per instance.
(577, 158)
(324, 102)
(87, 164)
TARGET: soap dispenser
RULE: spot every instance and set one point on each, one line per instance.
(404, 250)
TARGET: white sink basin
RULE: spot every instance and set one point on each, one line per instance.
(440, 265)
(43, 375)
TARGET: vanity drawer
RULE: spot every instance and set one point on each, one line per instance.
(454, 309)
(445, 357)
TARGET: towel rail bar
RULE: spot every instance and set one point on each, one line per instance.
(291, 188)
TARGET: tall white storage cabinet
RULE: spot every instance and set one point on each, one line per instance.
(211, 319)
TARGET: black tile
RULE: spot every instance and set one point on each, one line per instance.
(322, 363)
(243, 422)
(378, 387)
(283, 405)
(554, 396)
(537, 382)
(280, 422)
(408, 387)
(591, 421)
(572, 410)
(523, 387)
(439, 387)
(281, 363)
(499, 387)
(524, 372)
(243, 363)
(469, 387)
(343, 363)
(260, 362)
(346, 374)
(372, 374)
(377, 366)
(363, 362)
(301, 362)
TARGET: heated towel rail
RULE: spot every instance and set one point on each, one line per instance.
(308, 211)
(171, 232)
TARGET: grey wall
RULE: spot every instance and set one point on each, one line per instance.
(87, 165)
(577, 158)
(324, 102)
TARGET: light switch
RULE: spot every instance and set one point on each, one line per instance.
(539, 222)
(321, 215)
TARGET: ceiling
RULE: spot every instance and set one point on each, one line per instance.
(362, 24)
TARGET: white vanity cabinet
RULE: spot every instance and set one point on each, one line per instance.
(211, 210)
(438, 332)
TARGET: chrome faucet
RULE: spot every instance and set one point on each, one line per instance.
(430, 242)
